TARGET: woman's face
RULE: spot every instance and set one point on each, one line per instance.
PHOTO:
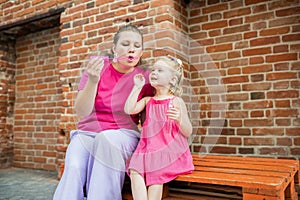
(129, 48)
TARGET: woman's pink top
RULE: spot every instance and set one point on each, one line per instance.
(113, 90)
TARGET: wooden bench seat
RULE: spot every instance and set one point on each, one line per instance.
(259, 178)
(255, 178)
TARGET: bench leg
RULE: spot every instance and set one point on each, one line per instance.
(290, 191)
(260, 194)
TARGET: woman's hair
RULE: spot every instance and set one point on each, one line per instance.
(176, 66)
(124, 28)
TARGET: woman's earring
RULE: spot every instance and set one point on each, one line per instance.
(115, 58)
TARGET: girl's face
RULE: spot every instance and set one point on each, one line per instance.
(129, 48)
(161, 75)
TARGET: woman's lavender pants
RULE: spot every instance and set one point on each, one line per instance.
(96, 161)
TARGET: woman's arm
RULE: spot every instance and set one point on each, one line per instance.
(180, 115)
(85, 100)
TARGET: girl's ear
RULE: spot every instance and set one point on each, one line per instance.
(174, 80)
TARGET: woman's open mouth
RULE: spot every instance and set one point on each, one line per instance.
(131, 58)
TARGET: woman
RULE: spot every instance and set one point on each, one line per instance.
(106, 135)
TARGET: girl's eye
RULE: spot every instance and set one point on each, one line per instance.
(137, 46)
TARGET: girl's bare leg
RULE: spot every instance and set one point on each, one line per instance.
(138, 186)
(155, 192)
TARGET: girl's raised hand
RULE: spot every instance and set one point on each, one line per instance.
(139, 80)
(94, 68)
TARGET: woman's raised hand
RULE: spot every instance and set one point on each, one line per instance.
(94, 68)
(139, 80)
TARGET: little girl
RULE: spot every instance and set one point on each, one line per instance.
(163, 151)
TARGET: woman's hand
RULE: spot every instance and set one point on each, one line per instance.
(139, 80)
(94, 67)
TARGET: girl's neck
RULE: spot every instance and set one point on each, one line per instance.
(122, 68)
(163, 94)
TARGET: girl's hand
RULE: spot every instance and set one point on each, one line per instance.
(174, 114)
(94, 68)
(139, 80)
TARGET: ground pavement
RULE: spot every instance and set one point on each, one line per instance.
(27, 184)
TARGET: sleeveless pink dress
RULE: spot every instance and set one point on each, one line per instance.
(163, 152)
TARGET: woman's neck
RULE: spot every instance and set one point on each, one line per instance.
(122, 68)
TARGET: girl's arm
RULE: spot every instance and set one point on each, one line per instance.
(180, 115)
(132, 105)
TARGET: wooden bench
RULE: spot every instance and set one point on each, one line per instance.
(258, 178)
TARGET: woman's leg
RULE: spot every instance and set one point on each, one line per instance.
(138, 187)
(74, 177)
(155, 192)
(107, 167)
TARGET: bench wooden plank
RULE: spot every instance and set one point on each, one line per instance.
(228, 179)
(259, 178)
(241, 171)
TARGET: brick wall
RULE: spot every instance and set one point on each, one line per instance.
(38, 100)
(7, 98)
(241, 62)
(250, 49)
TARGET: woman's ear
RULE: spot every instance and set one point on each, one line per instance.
(113, 48)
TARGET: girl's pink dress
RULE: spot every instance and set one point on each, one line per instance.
(163, 152)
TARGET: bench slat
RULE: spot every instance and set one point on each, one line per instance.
(242, 171)
(248, 159)
(236, 180)
(244, 165)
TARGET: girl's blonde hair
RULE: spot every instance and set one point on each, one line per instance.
(176, 66)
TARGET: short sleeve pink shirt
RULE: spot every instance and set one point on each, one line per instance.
(113, 90)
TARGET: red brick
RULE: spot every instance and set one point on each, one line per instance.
(283, 94)
(274, 31)
(284, 21)
(257, 69)
(258, 122)
(281, 57)
(218, 48)
(256, 86)
(256, 113)
(291, 37)
(256, 51)
(215, 8)
(283, 122)
(237, 13)
(281, 76)
(259, 17)
(265, 41)
(257, 60)
(258, 104)
(288, 12)
(249, 2)
(258, 141)
(215, 25)
(273, 151)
